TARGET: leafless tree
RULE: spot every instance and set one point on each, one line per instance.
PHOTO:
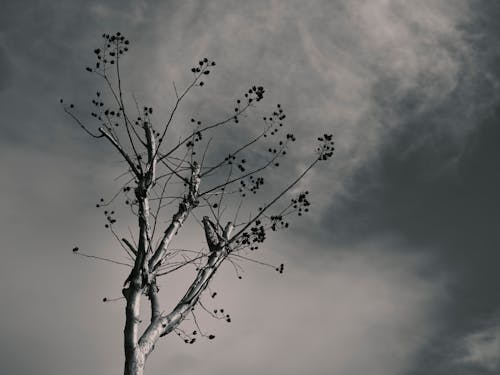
(181, 179)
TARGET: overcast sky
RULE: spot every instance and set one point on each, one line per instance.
(396, 269)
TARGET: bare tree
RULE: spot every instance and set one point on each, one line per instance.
(185, 178)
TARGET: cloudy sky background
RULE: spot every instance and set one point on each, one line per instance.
(395, 270)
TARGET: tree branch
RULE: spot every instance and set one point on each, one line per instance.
(165, 324)
(120, 150)
(130, 246)
(185, 206)
(154, 300)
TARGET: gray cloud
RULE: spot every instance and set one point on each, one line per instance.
(481, 349)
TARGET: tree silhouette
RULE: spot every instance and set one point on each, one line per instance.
(181, 180)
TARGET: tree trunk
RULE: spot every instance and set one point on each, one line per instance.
(134, 362)
(134, 357)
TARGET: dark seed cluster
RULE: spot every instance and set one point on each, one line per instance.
(325, 150)
(222, 315)
(256, 235)
(252, 185)
(197, 137)
(114, 46)
(280, 268)
(277, 222)
(274, 121)
(202, 69)
(254, 94)
(300, 203)
(110, 219)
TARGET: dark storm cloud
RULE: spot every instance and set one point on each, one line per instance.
(442, 197)
(399, 247)
(6, 70)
